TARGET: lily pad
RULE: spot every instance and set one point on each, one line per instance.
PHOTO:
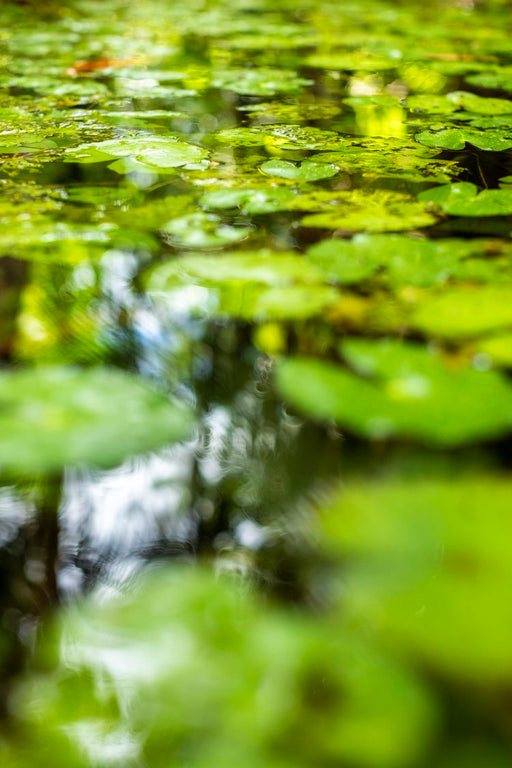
(402, 390)
(266, 267)
(202, 230)
(273, 111)
(57, 416)
(407, 260)
(417, 552)
(351, 61)
(225, 638)
(153, 151)
(463, 199)
(463, 312)
(307, 171)
(498, 348)
(256, 286)
(281, 137)
(259, 81)
(457, 138)
(378, 211)
(250, 201)
(499, 79)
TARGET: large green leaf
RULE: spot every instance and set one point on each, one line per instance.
(399, 390)
(157, 152)
(407, 260)
(202, 230)
(428, 564)
(306, 171)
(378, 211)
(463, 199)
(191, 664)
(457, 138)
(256, 286)
(259, 81)
(462, 312)
(54, 416)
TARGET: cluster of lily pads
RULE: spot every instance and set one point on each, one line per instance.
(334, 181)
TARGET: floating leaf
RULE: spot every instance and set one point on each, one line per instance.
(457, 138)
(500, 79)
(463, 199)
(153, 151)
(282, 137)
(378, 211)
(231, 644)
(408, 261)
(480, 105)
(292, 113)
(202, 230)
(351, 61)
(252, 285)
(172, 155)
(418, 552)
(250, 201)
(259, 81)
(55, 416)
(307, 171)
(464, 312)
(404, 391)
(498, 348)
(266, 267)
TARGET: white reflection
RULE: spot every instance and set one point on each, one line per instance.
(110, 521)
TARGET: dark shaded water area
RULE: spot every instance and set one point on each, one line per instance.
(256, 408)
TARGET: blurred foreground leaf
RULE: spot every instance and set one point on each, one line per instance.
(399, 390)
(53, 416)
(191, 670)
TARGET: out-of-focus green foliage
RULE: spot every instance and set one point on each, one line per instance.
(53, 416)
(189, 190)
(424, 557)
(189, 669)
(399, 390)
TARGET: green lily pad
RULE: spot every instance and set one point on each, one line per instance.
(292, 113)
(463, 199)
(378, 211)
(498, 348)
(464, 311)
(259, 286)
(57, 416)
(480, 105)
(259, 81)
(266, 267)
(459, 100)
(231, 644)
(403, 391)
(307, 171)
(153, 151)
(422, 558)
(281, 137)
(457, 138)
(390, 158)
(500, 79)
(351, 61)
(52, 240)
(430, 104)
(250, 201)
(172, 155)
(202, 230)
(407, 261)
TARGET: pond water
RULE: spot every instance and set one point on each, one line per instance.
(255, 396)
